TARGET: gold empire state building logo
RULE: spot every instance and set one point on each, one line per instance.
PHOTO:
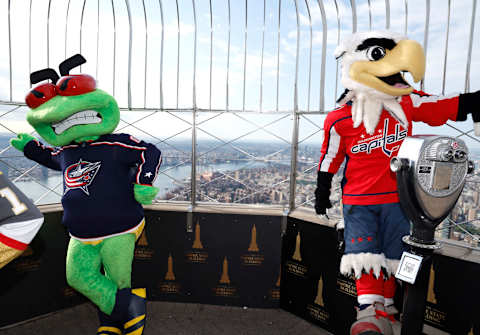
(317, 309)
(197, 243)
(197, 254)
(431, 293)
(253, 247)
(142, 241)
(275, 291)
(169, 285)
(170, 275)
(294, 265)
(142, 250)
(224, 287)
(225, 279)
(253, 257)
(432, 314)
(319, 298)
(296, 255)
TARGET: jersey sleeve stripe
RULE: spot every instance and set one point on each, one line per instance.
(418, 99)
(332, 149)
(157, 168)
(19, 234)
(333, 145)
(120, 144)
(140, 167)
(59, 150)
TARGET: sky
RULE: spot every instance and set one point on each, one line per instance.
(166, 79)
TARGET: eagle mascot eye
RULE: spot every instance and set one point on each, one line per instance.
(375, 53)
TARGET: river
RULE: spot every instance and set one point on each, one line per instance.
(41, 194)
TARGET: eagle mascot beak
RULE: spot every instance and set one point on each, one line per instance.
(373, 64)
(384, 75)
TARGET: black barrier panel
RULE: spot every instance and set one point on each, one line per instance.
(453, 296)
(158, 262)
(313, 289)
(225, 259)
(310, 263)
(34, 284)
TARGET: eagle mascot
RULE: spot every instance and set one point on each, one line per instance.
(375, 116)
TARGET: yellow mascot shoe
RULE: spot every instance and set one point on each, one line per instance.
(136, 313)
(104, 330)
(108, 326)
(130, 310)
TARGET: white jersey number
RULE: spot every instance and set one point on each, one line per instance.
(18, 207)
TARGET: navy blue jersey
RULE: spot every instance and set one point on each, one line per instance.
(98, 178)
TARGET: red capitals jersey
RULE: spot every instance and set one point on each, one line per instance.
(367, 178)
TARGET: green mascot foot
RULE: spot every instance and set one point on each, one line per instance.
(108, 326)
(130, 309)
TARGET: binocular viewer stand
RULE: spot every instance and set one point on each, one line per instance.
(431, 172)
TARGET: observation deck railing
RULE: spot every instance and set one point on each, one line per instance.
(233, 92)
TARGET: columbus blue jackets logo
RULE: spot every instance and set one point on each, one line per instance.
(80, 175)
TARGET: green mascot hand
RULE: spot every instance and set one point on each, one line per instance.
(144, 194)
(21, 140)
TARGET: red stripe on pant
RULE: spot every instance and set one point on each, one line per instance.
(389, 287)
(369, 284)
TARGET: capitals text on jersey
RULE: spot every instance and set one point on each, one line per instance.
(381, 142)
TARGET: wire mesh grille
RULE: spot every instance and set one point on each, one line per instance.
(234, 93)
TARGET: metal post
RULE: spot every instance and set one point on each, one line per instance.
(321, 104)
(293, 161)
(81, 27)
(387, 14)
(193, 174)
(48, 32)
(296, 117)
(130, 36)
(354, 16)
(446, 48)
(161, 53)
(470, 43)
(425, 37)
(10, 49)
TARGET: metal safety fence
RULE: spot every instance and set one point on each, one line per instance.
(234, 92)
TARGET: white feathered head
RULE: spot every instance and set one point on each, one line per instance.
(372, 65)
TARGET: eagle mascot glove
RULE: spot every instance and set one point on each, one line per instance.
(106, 178)
(375, 115)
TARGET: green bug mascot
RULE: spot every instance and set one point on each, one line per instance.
(106, 178)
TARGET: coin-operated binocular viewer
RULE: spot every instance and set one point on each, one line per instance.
(431, 172)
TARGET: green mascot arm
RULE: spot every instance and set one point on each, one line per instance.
(21, 141)
(144, 194)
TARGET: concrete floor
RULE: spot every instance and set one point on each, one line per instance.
(176, 318)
